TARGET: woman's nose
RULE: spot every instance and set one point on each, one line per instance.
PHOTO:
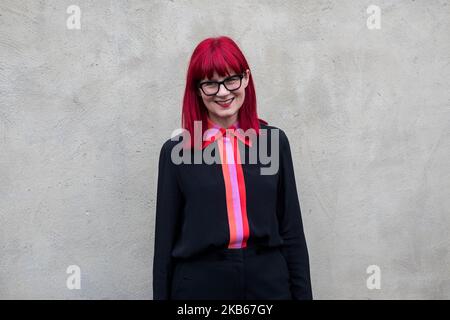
(222, 90)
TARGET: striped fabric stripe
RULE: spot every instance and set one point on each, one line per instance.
(234, 189)
(242, 195)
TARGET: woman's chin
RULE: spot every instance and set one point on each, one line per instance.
(224, 112)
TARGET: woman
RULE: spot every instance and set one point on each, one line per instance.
(226, 230)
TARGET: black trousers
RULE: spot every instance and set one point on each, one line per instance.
(233, 274)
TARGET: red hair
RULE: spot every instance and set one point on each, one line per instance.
(218, 54)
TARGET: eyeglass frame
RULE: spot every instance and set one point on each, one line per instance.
(241, 75)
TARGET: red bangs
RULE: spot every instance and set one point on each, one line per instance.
(220, 60)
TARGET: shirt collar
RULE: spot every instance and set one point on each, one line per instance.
(216, 132)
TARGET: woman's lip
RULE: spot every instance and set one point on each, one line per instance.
(225, 100)
(226, 104)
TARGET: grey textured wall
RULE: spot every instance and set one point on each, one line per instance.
(83, 114)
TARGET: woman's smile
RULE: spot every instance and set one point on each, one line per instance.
(224, 103)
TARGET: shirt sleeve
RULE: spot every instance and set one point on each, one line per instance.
(168, 206)
(294, 247)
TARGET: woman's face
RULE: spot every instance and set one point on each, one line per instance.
(223, 107)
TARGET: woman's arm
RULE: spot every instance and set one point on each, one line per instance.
(168, 206)
(294, 246)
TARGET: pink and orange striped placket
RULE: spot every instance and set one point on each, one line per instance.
(227, 143)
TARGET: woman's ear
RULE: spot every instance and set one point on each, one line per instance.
(246, 77)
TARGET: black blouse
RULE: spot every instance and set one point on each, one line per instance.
(192, 213)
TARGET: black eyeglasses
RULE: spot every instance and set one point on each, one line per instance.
(232, 83)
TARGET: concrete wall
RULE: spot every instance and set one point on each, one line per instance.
(83, 114)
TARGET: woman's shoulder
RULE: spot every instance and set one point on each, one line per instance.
(170, 143)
